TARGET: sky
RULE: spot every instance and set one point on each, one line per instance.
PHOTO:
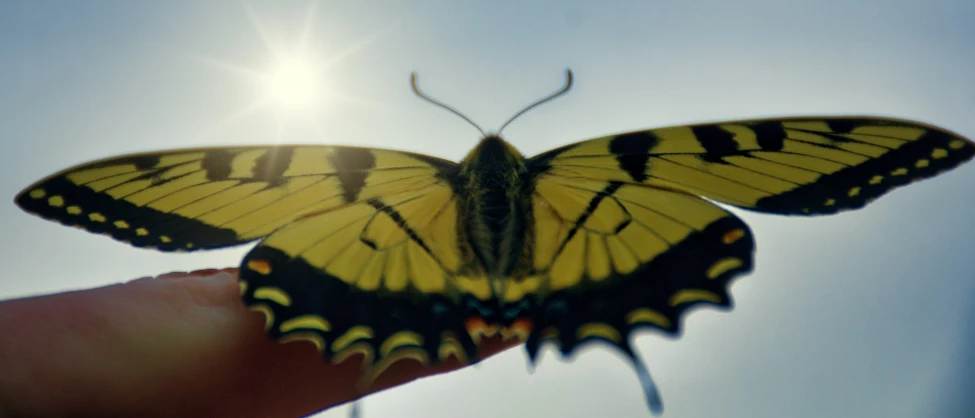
(863, 314)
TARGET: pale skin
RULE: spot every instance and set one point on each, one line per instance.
(180, 344)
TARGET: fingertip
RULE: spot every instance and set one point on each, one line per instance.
(198, 274)
(189, 336)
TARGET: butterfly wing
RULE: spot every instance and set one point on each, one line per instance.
(184, 200)
(619, 218)
(796, 166)
(611, 257)
(622, 238)
(362, 254)
(389, 276)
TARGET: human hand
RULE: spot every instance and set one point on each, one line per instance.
(181, 344)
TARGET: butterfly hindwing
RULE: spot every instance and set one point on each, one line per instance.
(611, 257)
(794, 166)
(214, 197)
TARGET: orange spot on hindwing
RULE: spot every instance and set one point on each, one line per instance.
(260, 266)
(733, 235)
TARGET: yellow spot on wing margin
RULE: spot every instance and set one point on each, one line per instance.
(400, 339)
(647, 315)
(306, 322)
(359, 347)
(305, 336)
(415, 353)
(722, 266)
(74, 210)
(598, 330)
(449, 345)
(273, 294)
(693, 295)
(56, 201)
(37, 193)
(358, 332)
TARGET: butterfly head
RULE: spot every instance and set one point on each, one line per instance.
(493, 154)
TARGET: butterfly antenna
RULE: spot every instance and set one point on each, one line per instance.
(568, 85)
(429, 99)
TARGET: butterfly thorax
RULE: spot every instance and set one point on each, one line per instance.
(493, 185)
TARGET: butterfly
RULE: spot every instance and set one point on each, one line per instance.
(395, 255)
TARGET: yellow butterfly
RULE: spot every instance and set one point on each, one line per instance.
(397, 255)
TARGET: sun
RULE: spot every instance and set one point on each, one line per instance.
(295, 83)
(292, 85)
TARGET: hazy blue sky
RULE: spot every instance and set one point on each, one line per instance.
(864, 314)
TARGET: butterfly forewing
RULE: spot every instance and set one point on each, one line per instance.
(214, 197)
(795, 166)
